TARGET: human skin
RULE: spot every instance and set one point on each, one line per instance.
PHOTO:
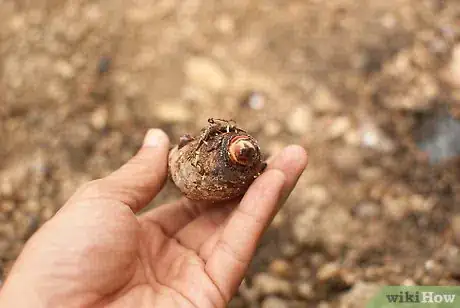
(96, 252)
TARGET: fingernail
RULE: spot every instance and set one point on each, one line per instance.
(154, 138)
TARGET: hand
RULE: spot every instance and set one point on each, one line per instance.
(95, 252)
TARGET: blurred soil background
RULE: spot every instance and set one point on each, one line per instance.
(371, 88)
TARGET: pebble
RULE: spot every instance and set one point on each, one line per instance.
(318, 195)
(7, 206)
(7, 231)
(4, 246)
(64, 69)
(338, 127)
(6, 188)
(289, 249)
(324, 101)
(274, 302)
(452, 72)
(31, 207)
(254, 100)
(305, 290)
(434, 269)
(347, 159)
(173, 112)
(57, 91)
(367, 209)
(47, 213)
(395, 207)
(99, 118)
(373, 137)
(299, 121)
(328, 271)
(225, 24)
(422, 204)
(205, 73)
(267, 284)
(304, 227)
(280, 268)
(361, 292)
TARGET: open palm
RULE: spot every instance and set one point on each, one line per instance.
(97, 253)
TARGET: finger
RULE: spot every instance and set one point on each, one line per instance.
(140, 179)
(292, 161)
(233, 250)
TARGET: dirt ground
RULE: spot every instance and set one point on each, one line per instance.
(82, 80)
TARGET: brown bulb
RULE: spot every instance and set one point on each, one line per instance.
(217, 164)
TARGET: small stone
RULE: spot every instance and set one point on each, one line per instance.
(47, 213)
(347, 159)
(99, 118)
(299, 121)
(31, 207)
(205, 73)
(64, 69)
(361, 292)
(57, 91)
(324, 101)
(254, 100)
(323, 304)
(139, 15)
(395, 207)
(278, 220)
(367, 209)
(388, 21)
(452, 71)
(289, 249)
(267, 284)
(434, 268)
(305, 290)
(173, 112)
(408, 282)
(225, 24)
(17, 23)
(304, 273)
(422, 204)
(7, 206)
(318, 195)
(304, 227)
(4, 246)
(6, 188)
(328, 271)
(7, 231)
(373, 137)
(274, 302)
(338, 127)
(280, 268)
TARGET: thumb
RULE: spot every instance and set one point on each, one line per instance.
(140, 179)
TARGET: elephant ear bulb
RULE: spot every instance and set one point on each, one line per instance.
(216, 165)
